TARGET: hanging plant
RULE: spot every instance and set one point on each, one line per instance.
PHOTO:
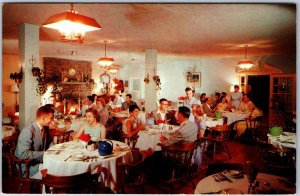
(43, 83)
(35, 71)
(146, 80)
(157, 82)
(17, 77)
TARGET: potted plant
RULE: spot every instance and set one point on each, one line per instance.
(17, 76)
(35, 71)
(157, 82)
(44, 82)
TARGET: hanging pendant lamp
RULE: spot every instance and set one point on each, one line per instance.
(105, 61)
(72, 26)
(245, 64)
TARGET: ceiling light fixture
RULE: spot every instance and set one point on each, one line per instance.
(114, 69)
(245, 64)
(72, 26)
(105, 61)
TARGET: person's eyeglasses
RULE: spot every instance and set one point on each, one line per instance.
(164, 104)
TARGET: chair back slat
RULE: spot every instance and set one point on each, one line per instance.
(80, 183)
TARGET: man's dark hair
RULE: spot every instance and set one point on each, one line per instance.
(162, 99)
(49, 105)
(189, 89)
(218, 94)
(129, 95)
(133, 107)
(185, 111)
(224, 94)
(44, 110)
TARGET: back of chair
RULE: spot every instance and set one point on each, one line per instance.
(221, 132)
(130, 141)
(17, 165)
(180, 153)
(60, 136)
(81, 183)
(253, 123)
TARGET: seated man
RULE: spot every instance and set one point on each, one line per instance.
(246, 105)
(128, 102)
(34, 139)
(187, 131)
(206, 108)
(162, 113)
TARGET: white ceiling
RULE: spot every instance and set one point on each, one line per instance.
(188, 30)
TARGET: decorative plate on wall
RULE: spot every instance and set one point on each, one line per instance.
(71, 71)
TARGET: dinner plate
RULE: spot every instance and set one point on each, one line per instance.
(71, 146)
(78, 156)
(58, 146)
(232, 173)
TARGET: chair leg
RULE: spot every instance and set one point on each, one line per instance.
(214, 150)
(20, 187)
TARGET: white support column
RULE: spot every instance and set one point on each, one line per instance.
(150, 88)
(29, 98)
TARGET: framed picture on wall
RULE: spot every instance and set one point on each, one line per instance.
(193, 79)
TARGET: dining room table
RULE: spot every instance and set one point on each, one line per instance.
(72, 158)
(212, 122)
(235, 116)
(7, 131)
(284, 140)
(233, 182)
(149, 137)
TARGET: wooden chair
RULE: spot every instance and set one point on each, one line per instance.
(135, 174)
(81, 183)
(7, 144)
(252, 127)
(130, 141)
(219, 138)
(60, 136)
(19, 176)
(180, 155)
(276, 160)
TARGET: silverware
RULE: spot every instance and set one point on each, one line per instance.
(216, 178)
(225, 177)
(68, 157)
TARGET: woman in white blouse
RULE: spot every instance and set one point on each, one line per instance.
(235, 97)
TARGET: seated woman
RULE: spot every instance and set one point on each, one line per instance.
(130, 127)
(198, 113)
(92, 127)
(222, 106)
(102, 110)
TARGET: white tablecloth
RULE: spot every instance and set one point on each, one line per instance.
(277, 183)
(149, 138)
(7, 131)
(235, 116)
(286, 140)
(212, 122)
(56, 164)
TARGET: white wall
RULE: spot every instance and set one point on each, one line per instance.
(217, 75)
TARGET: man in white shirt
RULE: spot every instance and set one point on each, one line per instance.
(163, 114)
(246, 105)
(190, 101)
(118, 99)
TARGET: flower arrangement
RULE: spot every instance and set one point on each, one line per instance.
(85, 137)
(160, 121)
(157, 82)
(73, 113)
(181, 98)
